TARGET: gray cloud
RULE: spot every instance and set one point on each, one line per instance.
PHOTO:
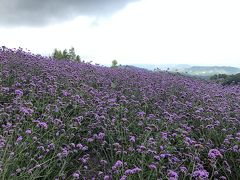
(43, 12)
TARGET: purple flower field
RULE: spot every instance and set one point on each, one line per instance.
(68, 120)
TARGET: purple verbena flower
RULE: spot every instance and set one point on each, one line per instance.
(172, 175)
(76, 175)
(43, 125)
(152, 166)
(132, 139)
(28, 131)
(19, 92)
(200, 174)
(117, 165)
(214, 153)
(20, 138)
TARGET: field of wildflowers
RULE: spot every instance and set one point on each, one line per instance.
(68, 120)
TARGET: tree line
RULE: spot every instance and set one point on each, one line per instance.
(66, 55)
(226, 79)
(72, 56)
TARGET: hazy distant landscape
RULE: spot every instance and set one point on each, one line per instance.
(193, 70)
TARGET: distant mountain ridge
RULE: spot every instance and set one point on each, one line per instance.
(193, 70)
(211, 70)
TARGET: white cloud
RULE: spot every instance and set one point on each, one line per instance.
(150, 31)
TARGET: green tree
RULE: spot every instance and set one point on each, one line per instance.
(78, 59)
(57, 54)
(114, 63)
(232, 79)
(66, 54)
(72, 54)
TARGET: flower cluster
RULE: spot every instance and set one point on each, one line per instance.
(214, 153)
(74, 120)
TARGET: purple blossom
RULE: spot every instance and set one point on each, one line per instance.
(164, 135)
(28, 131)
(214, 153)
(136, 170)
(132, 139)
(107, 177)
(101, 136)
(152, 166)
(19, 92)
(117, 165)
(26, 111)
(201, 174)
(132, 171)
(172, 175)
(80, 146)
(124, 177)
(20, 138)
(141, 114)
(183, 169)
(43, 125)
(65, 93)
(76, 175)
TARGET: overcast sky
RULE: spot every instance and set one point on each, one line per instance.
(205, 32)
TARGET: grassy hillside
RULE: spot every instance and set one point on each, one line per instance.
(68, 120)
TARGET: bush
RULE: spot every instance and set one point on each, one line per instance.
(232, 79)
